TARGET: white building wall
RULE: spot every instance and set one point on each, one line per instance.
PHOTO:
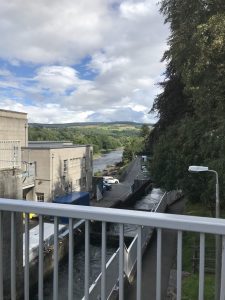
(10, 155)
(61, 170)
(13, 126)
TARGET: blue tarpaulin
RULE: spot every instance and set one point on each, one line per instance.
(74, 198)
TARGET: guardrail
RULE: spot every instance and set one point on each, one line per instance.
(146, 234)
(161, 221)
(28, 174)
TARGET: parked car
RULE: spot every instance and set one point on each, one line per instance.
(107, 186)
(110, 180)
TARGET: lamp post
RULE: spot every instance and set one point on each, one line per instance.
(218, 243)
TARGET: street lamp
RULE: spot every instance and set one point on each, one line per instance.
(218, 246)
(206, 169)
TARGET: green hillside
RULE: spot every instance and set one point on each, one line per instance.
(103, 136)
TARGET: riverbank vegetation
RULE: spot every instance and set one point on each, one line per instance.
(191, 106)
(104, 137)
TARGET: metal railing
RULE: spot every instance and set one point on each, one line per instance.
(28, 174)
(179, 223)
(10, 154)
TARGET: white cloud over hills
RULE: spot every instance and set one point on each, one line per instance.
(89, 60)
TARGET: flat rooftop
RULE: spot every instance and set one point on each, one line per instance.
(52, 145)
(12, 114)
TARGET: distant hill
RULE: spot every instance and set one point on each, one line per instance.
(83, 124)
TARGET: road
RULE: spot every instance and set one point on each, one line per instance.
(122, 190)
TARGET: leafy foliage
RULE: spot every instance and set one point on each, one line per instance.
(191, 108)
(133, 147)
(102, 137)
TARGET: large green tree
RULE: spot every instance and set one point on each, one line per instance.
(191, 107)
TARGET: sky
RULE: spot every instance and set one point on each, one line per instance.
(78, 61)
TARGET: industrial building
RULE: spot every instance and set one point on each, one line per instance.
(61, 168)
(47, 169)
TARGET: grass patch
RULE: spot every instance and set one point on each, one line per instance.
(190, 287)
(191, 257)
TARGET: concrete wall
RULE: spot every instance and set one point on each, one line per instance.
(11, 188)
(13, 126)
(51, 178)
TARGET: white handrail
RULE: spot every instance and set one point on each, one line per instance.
(159, 220)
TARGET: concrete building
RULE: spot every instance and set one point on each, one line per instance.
(13, 127)
(13, 135)
(61, 167)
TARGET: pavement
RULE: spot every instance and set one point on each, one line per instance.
(169, 239)
(122, 190)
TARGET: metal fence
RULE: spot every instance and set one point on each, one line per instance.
(10, 154)
(178, 223)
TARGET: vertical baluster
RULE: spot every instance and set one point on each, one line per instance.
(179, 264)
(139, 262)
(27, 260)
(158, 264)
(87, 259)
(13, 257)
(222, 285)
(218, 266)
(40, 263)
(71, 246)
(56, 260)
(201, 267)
(121, 262)
(103, 279)
(1, 255)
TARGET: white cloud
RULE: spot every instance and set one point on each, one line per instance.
(52, 113)
(137, 9)
(124, 40)
(104, 64)
(56, 78)
(51, 31)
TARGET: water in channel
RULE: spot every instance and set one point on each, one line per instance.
(78, 269)
(107, 159)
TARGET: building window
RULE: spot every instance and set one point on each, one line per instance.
(84, 182)
(40, 197)
(91, 159)
(65, 165)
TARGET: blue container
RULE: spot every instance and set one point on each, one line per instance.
(74, 198)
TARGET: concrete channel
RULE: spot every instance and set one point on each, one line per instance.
(123, 195)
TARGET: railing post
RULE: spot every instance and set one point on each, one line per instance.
(139, 262)
(201, 267)
(56, 260)
(121, 263)
(1, 256)
(159, 264)
(87, 259)
(27, 259)
(179, 264)
(103, 280)
(41, 257)
(222, 285)
(13, 257)
(71, 246)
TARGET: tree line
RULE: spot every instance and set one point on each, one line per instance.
(102, 138)
(191, 106)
